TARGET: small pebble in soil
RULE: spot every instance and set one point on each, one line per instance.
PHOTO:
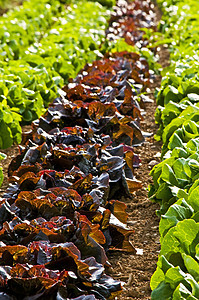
(154, 227)
(139, 251)
(153, 147)
(131, 223)
(157, 155)
(153, 162)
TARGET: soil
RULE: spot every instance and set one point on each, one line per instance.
(134, 271)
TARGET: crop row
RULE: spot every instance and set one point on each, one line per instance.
(176, 178)
(43, 44)
(62, 211)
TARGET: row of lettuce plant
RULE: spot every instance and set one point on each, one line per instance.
(43, 43)
(176, 178)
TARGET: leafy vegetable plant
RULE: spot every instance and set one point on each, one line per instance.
(176, 180)
(42, 45)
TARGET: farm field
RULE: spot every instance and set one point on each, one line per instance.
(79, 211)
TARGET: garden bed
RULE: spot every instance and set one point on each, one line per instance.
(135, 270)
